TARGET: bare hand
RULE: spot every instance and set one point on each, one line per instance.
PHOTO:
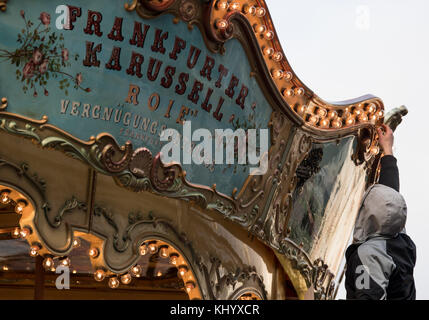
(385, 139)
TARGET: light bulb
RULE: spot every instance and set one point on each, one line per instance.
(48, 263)
(5, 196)
(190, 285)
(332, 114)
(278, 56)
(247, 9)
(234, 6)
(288, 76)
(321, 112)
(16, 233)
(269, 35)
(363, 117)
(260, 12)
(324, 123)
(93, 252)
(113, 282)
(99, 275)
(380, 113)
(375, 150)
(25, 232)
(143, 249)
(222, 4)
(34, 250)
(20, 206)
(300, 91)
(163, 252)
(153, 248)
(76, 243)
(269, 51)
(371, 108)
(136, 271)
(65, 262)
(259, 28)
(277, 73)
(159, 274)
(221, 24)
(126, 278)
(301, 110)
(173, 258)
(288, 92)
(313, 119)
(183, 270)
(350, 121)
(337, 123)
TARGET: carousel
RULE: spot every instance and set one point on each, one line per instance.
(88, 210)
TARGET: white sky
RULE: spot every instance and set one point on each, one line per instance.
(343, 49)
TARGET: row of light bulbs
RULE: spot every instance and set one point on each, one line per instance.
(318, 117)
(150, 247)
(5, 199)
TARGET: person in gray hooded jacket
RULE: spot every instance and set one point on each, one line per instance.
(381, 260)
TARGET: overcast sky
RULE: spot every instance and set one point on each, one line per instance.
(343, 49)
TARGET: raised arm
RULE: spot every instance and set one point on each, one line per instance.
(389, 174)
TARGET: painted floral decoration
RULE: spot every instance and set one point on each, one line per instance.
(42, 55)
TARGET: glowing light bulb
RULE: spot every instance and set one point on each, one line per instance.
(99, 275)
(16, 233)
(136, 271)
(93, 252)
(247, 9)
(221, 24)
(350, 121)
(313, 119)
(183, 270)
(371, 108)
(337, 123)
(143, 250)
(48, 263)
(113, 282)
(332, 114)
(300, 91)
(25, 232)
(269, 35)
(153, 248)
(163, 252)
(234, 6)
(159, 274)
(20, 207)
(363, 117)
(65, 262)
(259, 28)
(126, 278)
(260, 12)
(173, 258)
(288, 76)
(324, 123)
(301, 110)
(278, 56)
(277, 73)
(380, 113)
(222, 5)
(34, 250)
(5, 196)
(76, 243)
(288, 92)
(190, 285)
(269, 51)
(321, 112)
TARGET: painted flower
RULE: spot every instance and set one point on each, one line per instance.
(65, 54)
(46, 93)
(79, 79)
(45, 18)
(22, 13)
(44, 66)
(28, 70)
(37, 56)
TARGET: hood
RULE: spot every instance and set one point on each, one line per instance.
(383, 213)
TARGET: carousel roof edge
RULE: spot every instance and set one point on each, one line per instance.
(250, 22)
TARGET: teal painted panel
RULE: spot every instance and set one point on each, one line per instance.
(43, 73)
